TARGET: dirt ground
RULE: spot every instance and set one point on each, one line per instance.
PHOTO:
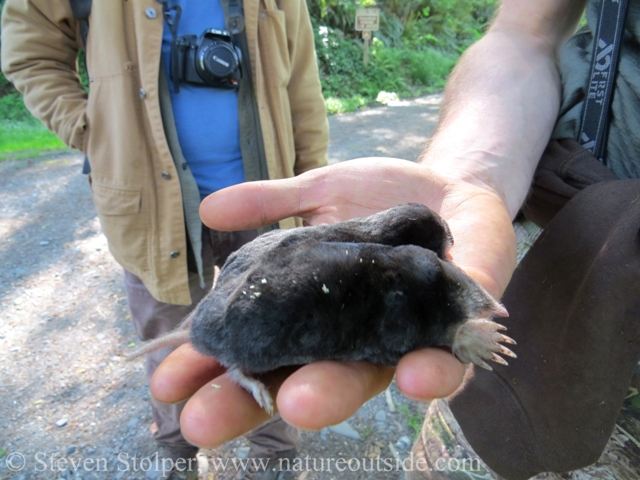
(70, 406)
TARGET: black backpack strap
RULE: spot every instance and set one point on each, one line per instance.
(604, 65)
(81, 10)
(234, 18)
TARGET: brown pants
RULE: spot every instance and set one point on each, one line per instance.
(152, 318)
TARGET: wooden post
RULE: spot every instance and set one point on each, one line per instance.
(366, 35)
(367, 20)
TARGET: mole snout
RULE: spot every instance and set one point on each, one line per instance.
(369, 289)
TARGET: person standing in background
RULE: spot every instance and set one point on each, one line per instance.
(185, 98)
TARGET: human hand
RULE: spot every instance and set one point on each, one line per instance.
(326, 393)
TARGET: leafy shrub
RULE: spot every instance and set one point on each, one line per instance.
(338, 14)
(450, 24)
(403, 71)
(447, 24)
(12, 109)
(413, 51)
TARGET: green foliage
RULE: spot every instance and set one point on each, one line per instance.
(12, 109)
(26, 137)
(344, 105)
(339, 14)
(82, 70)
(19, 130)
(348, 84)
(451, 25)
(5, 86)
(414, 419)
(413, 52)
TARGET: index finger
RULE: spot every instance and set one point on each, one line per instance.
(355, 188)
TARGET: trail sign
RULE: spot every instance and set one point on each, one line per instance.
(367, 19)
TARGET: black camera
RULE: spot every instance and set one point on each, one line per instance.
(212, 60)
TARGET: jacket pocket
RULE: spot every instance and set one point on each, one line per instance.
(123, 222)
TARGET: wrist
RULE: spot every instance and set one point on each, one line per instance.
(483, 170)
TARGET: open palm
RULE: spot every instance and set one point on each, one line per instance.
(326, 393)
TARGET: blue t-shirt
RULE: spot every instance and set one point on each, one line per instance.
(206, 117)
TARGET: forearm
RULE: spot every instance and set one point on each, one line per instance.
(496, 121)
(502, 100)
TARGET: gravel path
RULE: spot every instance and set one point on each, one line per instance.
(70, 406)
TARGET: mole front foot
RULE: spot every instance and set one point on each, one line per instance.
(254, 387)
(477, 341)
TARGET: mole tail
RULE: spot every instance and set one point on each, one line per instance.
(175, 338)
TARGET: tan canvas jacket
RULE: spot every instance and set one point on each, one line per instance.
(119, 126)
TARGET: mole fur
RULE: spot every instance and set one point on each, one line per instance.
(364, 289)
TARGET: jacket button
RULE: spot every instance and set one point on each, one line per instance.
(175, 254)
(151, 13)
(143, 94)
(166, 175)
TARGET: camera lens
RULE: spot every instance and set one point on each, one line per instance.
(218, 61)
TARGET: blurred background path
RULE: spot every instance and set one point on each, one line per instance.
(66, 393)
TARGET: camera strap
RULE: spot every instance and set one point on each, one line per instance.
(81, 10)
(596, 112)
(254, 156)
(172, 22)
(234, 19)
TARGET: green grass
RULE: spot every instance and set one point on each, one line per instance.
(26, 139)
(413, 419)
(344, 105)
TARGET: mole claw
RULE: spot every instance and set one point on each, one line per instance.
(256, 388)
(506, 351)
(478, 339)
(484, 365)
(509, 340)
(268, 406)
(499, 359)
